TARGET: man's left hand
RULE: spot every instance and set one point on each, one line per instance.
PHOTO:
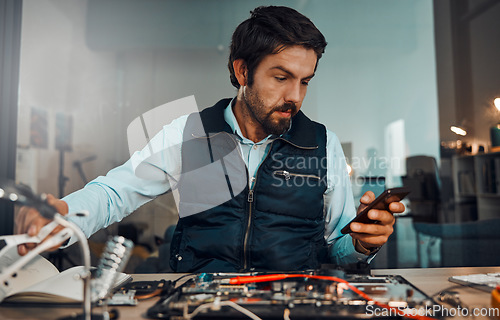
(375, 235)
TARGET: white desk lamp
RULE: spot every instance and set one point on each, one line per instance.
(22, 195)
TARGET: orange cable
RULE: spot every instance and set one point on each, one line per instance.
(275, 277)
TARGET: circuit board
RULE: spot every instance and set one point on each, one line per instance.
(306, 295)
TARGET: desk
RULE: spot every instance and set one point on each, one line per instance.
(433, 280)
(429, 280)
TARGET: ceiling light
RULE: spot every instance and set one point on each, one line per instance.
(497, 103)
(460, 131)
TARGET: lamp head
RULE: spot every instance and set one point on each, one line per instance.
(22, 194)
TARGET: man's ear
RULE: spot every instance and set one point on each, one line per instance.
(240, 71)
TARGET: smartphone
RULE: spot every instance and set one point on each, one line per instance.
(381, 202)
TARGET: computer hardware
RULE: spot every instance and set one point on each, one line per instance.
(302, 295)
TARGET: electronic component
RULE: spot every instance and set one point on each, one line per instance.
(306, 295)
(146, 289)
(121, 298)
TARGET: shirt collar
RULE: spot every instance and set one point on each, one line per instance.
(230, 118)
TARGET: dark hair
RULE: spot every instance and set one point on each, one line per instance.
(268, 31)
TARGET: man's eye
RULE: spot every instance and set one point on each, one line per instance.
(280, 78)
(305, 83)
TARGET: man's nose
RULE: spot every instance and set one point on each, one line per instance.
(294, 92)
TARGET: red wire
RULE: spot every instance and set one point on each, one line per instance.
(275, 277)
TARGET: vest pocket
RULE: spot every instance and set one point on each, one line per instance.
(184, 259)
(180, 257)
(298, 193)
(288, 175)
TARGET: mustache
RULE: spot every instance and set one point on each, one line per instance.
(285, 107)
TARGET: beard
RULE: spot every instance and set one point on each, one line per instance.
(263, 115)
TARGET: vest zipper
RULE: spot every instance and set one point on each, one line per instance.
(250, 202)
(287, 175)
(250, 199)
(245, 241)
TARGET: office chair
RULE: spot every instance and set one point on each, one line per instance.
(425, 204)
(423, 179)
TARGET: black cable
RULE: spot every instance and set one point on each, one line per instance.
(182, 277)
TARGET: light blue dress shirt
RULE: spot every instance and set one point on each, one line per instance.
(112, 197)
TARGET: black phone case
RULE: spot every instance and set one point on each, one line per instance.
(381, 202)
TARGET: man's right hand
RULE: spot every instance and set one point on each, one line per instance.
(29, 221)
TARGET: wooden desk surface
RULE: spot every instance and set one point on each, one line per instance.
(431, 281)
(434, 280)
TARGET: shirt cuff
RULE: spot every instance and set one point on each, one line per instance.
(362, 249)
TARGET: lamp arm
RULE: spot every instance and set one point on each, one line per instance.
(85, 275)
(69, 230)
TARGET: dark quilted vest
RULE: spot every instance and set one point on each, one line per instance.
(226, 227)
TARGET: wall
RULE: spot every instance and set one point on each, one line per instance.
(485, 51)
(379, 68)
(59, 73)
(484, 30)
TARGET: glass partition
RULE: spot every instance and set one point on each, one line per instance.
(89, 68)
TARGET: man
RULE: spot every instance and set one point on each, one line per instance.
(286, 175)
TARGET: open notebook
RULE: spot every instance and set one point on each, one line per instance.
(40, 282)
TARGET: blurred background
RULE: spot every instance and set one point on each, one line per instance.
(395, 78)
